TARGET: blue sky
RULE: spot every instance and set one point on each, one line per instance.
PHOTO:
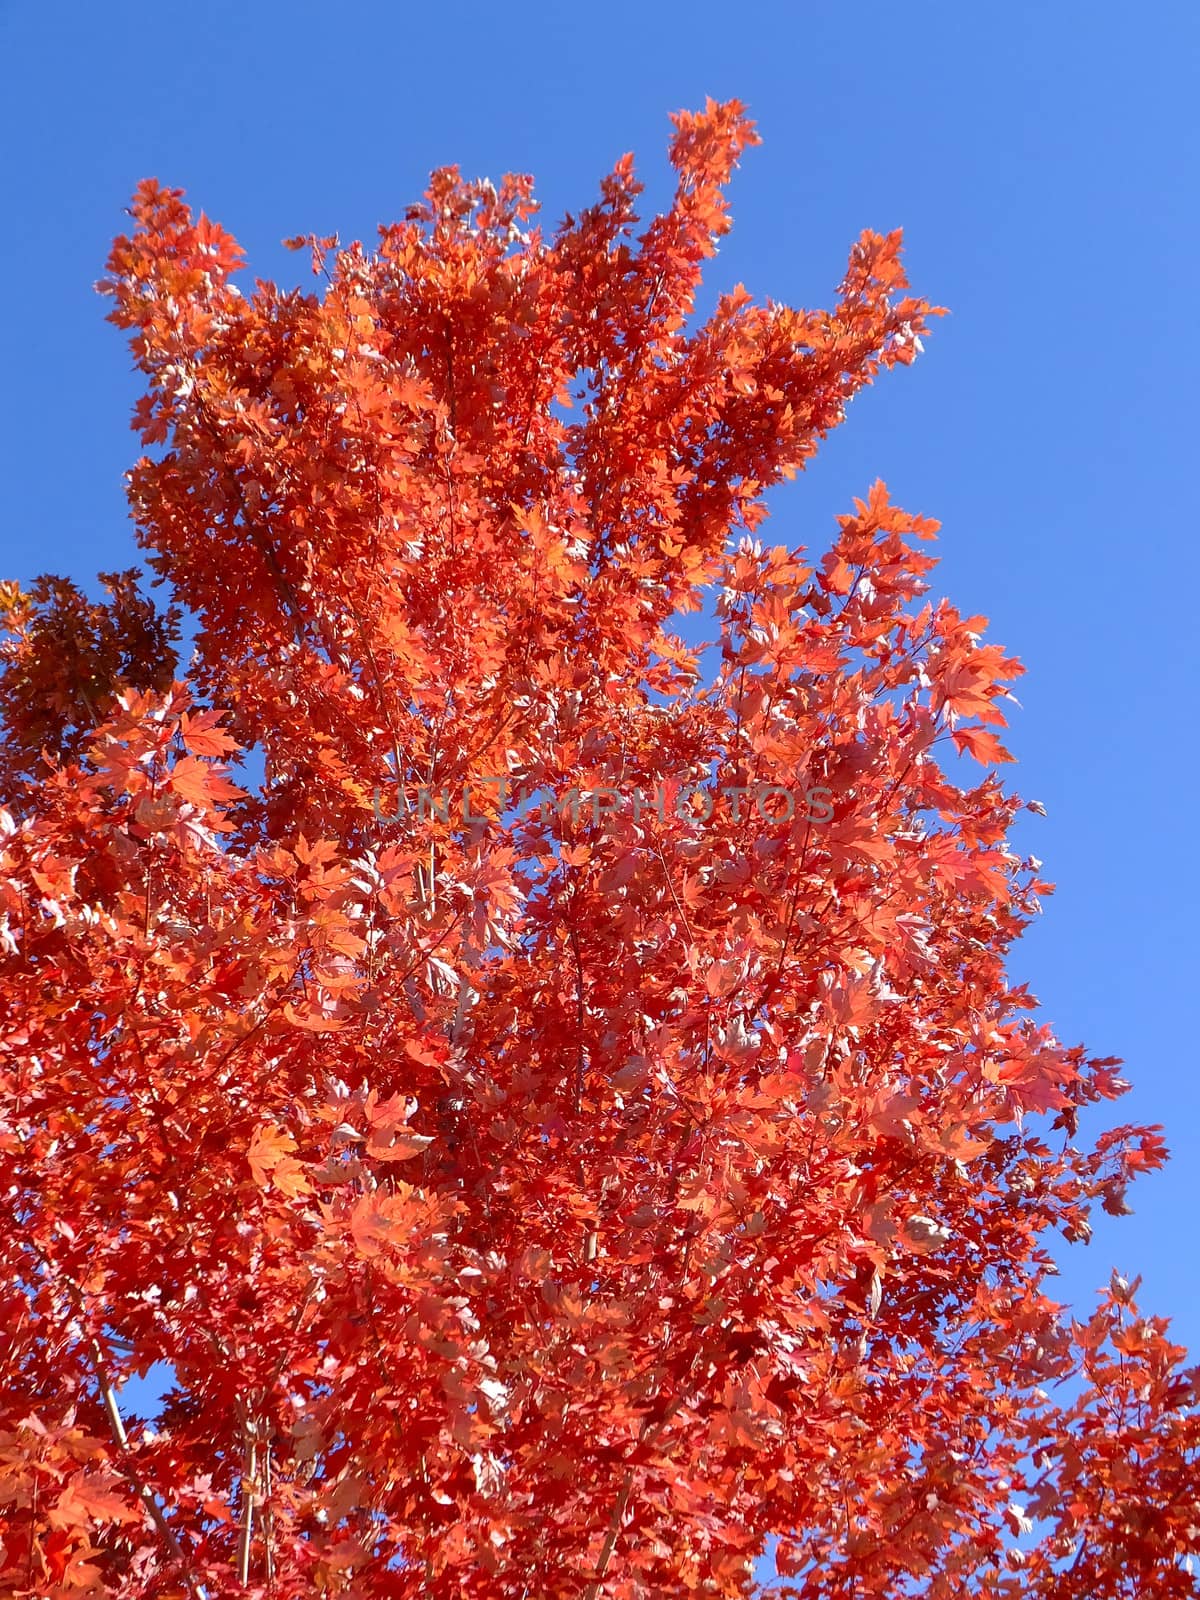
(1042, 163)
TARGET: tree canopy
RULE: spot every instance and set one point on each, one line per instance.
(558, 1108)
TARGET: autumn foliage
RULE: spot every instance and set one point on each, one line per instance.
(542, 1198)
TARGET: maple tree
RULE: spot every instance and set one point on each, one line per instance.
(576, 1192)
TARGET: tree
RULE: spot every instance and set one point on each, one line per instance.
(565, 1123)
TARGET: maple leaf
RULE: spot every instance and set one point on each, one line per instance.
(272, 1163)
(203, 737)
(87, 1498)
(202, 785)
(982, 744)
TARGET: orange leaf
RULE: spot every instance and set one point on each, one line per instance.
(201, 785)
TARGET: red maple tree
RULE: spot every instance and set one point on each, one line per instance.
(566, 1126)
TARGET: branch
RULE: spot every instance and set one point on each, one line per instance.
(249, 1485)
(108, 1395)
(149, 1500)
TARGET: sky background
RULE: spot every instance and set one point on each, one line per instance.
(1042, 162)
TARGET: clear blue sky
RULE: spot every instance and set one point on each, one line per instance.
(1043, 163)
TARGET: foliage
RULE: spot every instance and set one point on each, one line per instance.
(567, 1193)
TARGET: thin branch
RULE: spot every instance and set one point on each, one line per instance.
(121, 1439)
(246, 1537)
